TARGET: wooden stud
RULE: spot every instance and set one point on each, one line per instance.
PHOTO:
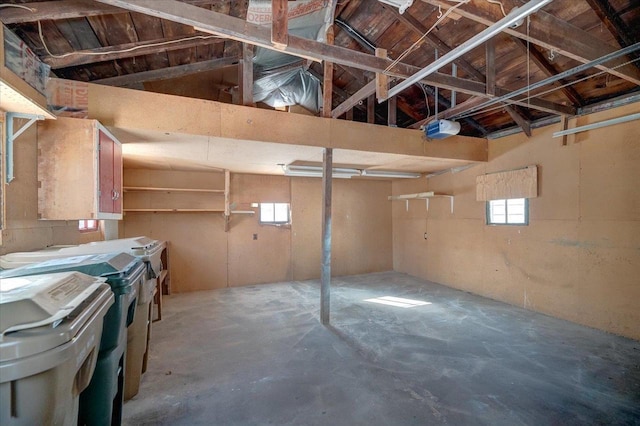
(245, 75)
(490, 50)
(382, 80)
(327, 85)
(392, 111)
(371, 109)
(279, 23)
(349, 114)
(227, 199)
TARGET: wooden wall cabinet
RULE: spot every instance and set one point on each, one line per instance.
(79, 171)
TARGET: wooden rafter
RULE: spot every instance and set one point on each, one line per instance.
(238, 29)
(129, 50)
(546, 67)
(166, 73)
(624, 35)
(66, 9)
(551, 33)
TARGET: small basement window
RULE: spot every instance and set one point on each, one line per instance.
(275, 213)
(512, 211)
(87, 225)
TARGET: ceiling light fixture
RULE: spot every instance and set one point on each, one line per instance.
(390, 174)
(513, 17)
(316, 171)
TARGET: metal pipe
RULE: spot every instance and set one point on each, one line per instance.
(598, 125)
(513, 17)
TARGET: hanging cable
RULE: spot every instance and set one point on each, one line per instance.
(418, 42)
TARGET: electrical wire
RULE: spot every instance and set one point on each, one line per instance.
(426, 99)
(501, 6)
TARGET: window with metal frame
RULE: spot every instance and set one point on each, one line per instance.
(88, 225)
(275, 213)
(511, 211)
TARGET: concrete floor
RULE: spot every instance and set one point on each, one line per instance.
(258, 355)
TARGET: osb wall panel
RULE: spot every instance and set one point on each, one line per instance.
(578, 258)
(198, 243)
(203, 256)
(24, 232)
(258, 253)
(361, 227)
(198, 246)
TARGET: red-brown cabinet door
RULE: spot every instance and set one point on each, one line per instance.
(105, 161)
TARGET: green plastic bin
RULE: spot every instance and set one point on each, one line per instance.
(101, 402)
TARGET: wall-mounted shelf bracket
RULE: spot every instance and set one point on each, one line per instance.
(13, 134)
(420, 196)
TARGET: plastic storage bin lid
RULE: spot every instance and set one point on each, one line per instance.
(115, 267)
(138, 246)
(41, 312)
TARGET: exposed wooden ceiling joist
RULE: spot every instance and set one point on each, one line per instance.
(166, 73)
(546, 67)
(129, 50)
(65, 9)
(238, 29)
(614, 23)
(551, 33)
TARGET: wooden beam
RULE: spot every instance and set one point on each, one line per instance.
(129, 50)
(245, 76)
(371, 109)
(553, 33)
(364, 92)
(238, 29)
(66, 9)
(279, 23)
(327, 80)
(166, 73)
(490, 72)
(325, 269)
(382, 80)
(545, 66)
(524, 124)
(392, 111)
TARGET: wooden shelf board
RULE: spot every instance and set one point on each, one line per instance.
(177, 210)
(156, 189)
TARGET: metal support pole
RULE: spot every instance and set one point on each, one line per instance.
(325, 272)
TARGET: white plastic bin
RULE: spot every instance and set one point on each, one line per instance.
(51, 327)
(139, 332)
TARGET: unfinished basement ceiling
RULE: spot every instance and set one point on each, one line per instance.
(561, 36)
